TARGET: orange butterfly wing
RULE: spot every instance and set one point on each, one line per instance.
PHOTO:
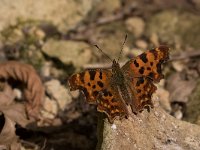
(148, 64)
(141, 72)
(91, 82)
(96, 87)
(111, 103)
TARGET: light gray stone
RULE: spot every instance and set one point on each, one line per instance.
(77, 53)
(64, 14)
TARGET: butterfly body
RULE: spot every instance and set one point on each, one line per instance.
(120, 80)
(132, 84)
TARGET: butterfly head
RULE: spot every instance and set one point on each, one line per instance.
(115, 66)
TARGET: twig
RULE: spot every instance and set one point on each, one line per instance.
(83, 32)
(44, 145)
(30, 144)
(185, 55)
(174, 57)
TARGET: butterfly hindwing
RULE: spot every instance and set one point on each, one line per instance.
(143, 90)
(110, 102)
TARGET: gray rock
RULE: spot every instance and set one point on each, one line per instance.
(50, 108)
(155, 130)
(77, 53)
(59, 93)
(180, 89)
(64, 14)
(193, 106)
(174, 27)
(136, 26)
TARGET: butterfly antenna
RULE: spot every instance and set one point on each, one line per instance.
(103, 52)
(120, 53)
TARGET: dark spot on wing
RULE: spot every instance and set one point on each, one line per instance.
(143, 96)
(138, 91)
(105, 92)
(113, 107)
(135, 113)
(85, 92)
(92, 74)
(95, 93)
(135, 63)
(82, 77)
(153, 51)
(113, 100)
(159, 68)
(141, 70)
(140, 111)
(140, 81)
(143, 57)
(100, 75)
(94, 86)
(100, 84)
(151, 63)
(164, 48)
(89, 84)
(147, 107)
(151, 75)
(148, 68)
(109, 93)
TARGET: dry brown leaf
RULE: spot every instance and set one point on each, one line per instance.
(8, 136)
(25, 73)
(11, 109)
(179, 88)
(12, 113)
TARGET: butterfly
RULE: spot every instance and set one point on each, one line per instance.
(112, 90)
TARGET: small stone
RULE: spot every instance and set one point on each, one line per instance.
(57, 122)
(141, 44)
(135, 25)
(75, 94)
(114, 127)
(50, 108)
(45, 70)
(77, 53)
(40, 33)
(18, 93)
(178, 114)
(59, 93)
(154, 39)
(178, 65)
(164, 99)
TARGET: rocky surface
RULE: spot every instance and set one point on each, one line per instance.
(175, 27)
(193, 106)
(57, 38)
(154, 130)
(63, 14)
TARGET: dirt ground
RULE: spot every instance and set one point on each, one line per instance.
(42, 43)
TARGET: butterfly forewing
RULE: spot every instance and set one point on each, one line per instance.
(148, 64)
(141, 72)
(91, 82)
